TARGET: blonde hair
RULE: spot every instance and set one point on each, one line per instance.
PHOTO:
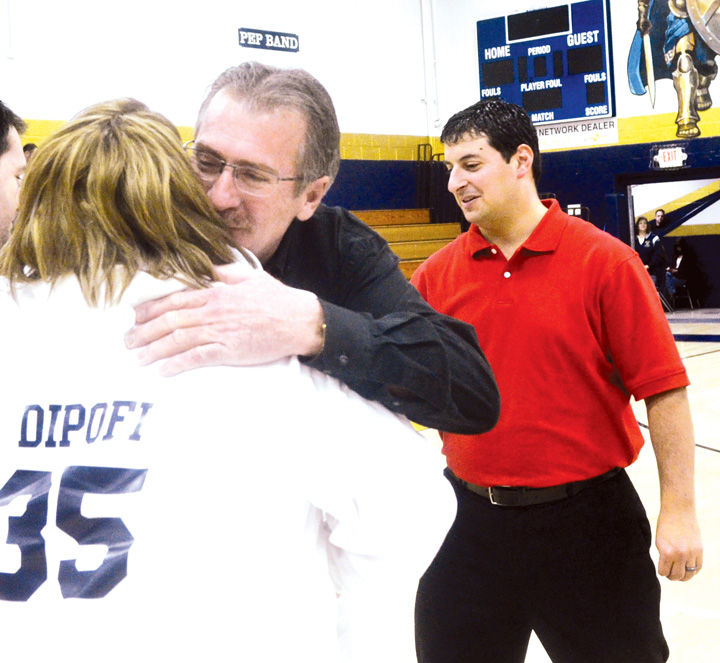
(114, 187)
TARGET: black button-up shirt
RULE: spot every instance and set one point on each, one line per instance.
(383, 340)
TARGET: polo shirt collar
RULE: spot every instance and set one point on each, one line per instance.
(544, 239)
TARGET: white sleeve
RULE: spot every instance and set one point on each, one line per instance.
(388, 508)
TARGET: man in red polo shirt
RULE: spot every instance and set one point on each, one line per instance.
(550, 534)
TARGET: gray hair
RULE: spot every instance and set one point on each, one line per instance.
(266, 88)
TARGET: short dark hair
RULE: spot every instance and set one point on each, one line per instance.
(8, 119)
(506, 126)
(29, 147)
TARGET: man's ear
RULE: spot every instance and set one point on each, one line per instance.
(525, 157)
(312, 197)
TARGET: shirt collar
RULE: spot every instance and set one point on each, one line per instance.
(277, 264)
(544, 239)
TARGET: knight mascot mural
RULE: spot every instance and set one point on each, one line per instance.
(677, 39)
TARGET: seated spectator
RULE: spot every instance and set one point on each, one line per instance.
(651, 251)
(257, 513)
(683, 270)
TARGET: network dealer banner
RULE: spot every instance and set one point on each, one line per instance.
(582, 133)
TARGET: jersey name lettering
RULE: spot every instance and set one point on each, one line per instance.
(55, 424)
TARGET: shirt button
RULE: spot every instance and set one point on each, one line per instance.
(493, 251)
(506, 275)
(343, 360)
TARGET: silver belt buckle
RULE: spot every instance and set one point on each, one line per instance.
(491, 497)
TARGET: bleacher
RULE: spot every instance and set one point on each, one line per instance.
(410, 234)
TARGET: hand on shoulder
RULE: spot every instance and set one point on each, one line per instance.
(246, 318)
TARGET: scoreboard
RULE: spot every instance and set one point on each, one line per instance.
(554, 62)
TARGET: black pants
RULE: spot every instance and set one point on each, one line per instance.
(577, 572)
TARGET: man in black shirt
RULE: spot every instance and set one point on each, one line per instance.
(267, 149)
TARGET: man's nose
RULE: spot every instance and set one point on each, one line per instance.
(455, 181)
(223, 193)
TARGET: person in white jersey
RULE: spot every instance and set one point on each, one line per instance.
(226, 514)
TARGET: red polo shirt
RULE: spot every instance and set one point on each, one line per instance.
(572, 326)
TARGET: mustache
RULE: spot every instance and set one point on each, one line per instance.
(233, 218)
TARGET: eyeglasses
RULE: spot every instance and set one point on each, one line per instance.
(248, 179)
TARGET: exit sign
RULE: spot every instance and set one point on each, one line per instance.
(669, 157)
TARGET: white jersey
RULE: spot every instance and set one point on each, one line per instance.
(227, 514)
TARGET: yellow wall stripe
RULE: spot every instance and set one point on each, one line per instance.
(658, 128)
(695, 230)
(693, 196)
(39, 130)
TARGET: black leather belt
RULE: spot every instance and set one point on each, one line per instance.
(523, 496)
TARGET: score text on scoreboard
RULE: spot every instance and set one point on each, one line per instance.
(554, 62)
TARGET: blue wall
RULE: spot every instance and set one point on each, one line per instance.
(375, 185)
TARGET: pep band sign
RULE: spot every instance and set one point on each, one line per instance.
(270, 41)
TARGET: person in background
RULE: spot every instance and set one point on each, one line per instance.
(29, 150)
(12, 167)
(659, 219)
(267, 149)
(683, 270)
(227, 514)
(550, 534)
(651, 252)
